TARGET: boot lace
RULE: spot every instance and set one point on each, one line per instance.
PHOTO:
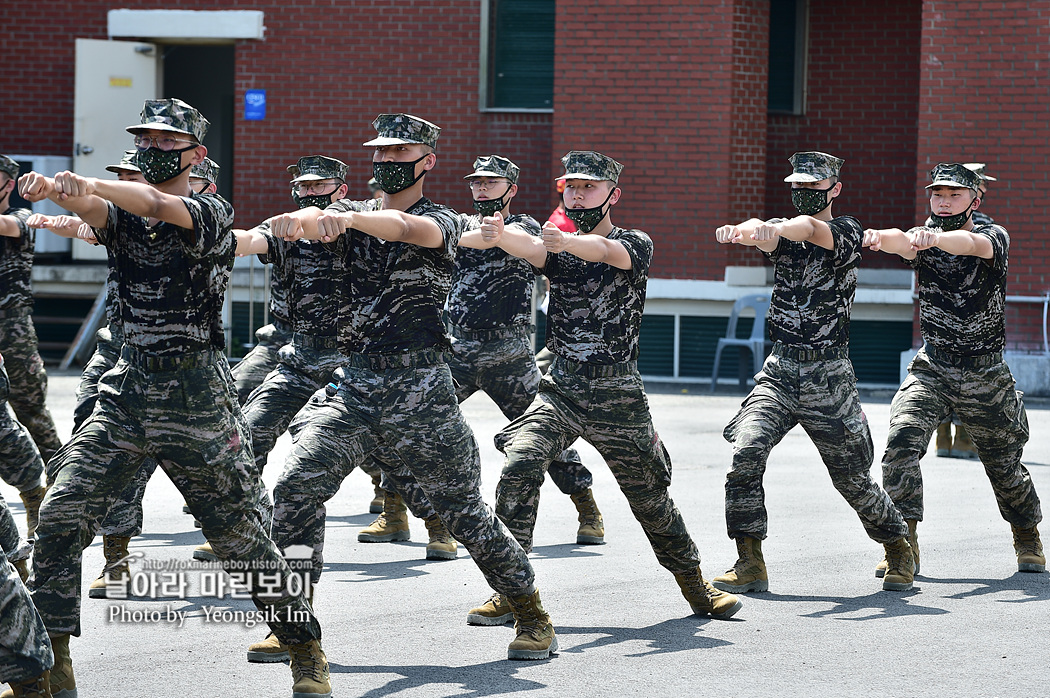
(35, 687)
(1026, 541)
(438, 532)
(305, 664)
(588, 509)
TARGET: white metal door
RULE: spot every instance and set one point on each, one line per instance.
(113, 78)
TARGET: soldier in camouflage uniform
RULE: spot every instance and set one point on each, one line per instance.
(962, 446)
(169, 396)
(25, 651)
(489, 316)
(808, 379)
(396, 392)
(19, 344)
(961, 268)
(593, 390)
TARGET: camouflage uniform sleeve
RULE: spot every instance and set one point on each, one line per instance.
(212, 225)
(108, 236)
(451, 227)
(277, 249)
(640, 247)
(849, 237)
(1000, 240)
(26, 235)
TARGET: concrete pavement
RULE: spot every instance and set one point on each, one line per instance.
(394, 623)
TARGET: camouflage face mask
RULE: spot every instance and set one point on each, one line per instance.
(488, 207)
(810, 202)
(587, 219)
(396, 176)
(159, 166)
(955, 222)
(321, 201)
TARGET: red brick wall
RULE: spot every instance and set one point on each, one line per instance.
(983, 97)
(861, 105)
(649, 84)
(319, 100)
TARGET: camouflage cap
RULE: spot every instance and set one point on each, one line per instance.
(813, 166)
(207, 169)
(126, 164)
(9, 167)
(952, 174)
(589, 164)
(978, 167)
(171, 115)
(494, 166)
(404, 128)
(311, 168)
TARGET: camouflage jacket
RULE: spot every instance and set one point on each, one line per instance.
(313, 277)
(813, 288)
(394, 291)
(171, 281)
(962, 299)
(16, 264)
(490, 288)
(595, 310)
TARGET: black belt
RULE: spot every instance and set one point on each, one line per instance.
(189, 360)
(314, 341)
(386, 362)
(488, 335)
(799, 354)
(976, 361)
(624, 368)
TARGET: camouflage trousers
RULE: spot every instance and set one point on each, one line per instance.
(25, 650)
(402, 404)
(505, 369)
(251, 371)
(20, 463)
(124, 518)
(607, 406)
(183, 413)
(982, 394)
(821, 395)
(25, 368)
(303, 369)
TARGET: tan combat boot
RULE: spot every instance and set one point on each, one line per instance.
(391, 525)
(63, 685)
(749, 572)
(703, 598)
(376, 505)
(442, 545)
(22, 567)
(309, 671)
(269, 650)
(495, 611)
(36, 687)
(205, 553)
(962, 446)
(592, 528)
(31, 500)
(1029, 550)
(115, 548)
(900, 566)
(535, 633)
(913, 541)
(944, 440)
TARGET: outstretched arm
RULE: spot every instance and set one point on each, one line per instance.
(251, 242)
(588, 247)
(34, 187)
(961, 243)
(890, 240)
(390, 225)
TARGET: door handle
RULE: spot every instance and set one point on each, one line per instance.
(84, 149)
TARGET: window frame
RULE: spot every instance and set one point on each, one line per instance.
(483, 71)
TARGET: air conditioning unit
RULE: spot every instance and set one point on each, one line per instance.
(46, 241)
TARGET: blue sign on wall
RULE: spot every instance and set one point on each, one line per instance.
(255, 105)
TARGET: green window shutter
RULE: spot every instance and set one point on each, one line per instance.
(875, 348)
(656, 345)
(521, 58)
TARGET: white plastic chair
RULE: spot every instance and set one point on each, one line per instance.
(756, 342)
